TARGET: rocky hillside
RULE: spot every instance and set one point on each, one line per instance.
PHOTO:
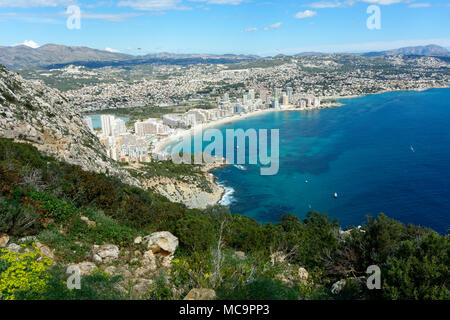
(33, 113)
(24, 56)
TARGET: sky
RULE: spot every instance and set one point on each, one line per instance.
(262, 27)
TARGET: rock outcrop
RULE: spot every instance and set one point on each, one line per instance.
(200, 294)
(189, 194)
(4, 239)
(34, 113)
(105, 253)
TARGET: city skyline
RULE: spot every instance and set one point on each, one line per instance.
(226, 26)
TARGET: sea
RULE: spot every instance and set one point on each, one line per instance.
(386, 153)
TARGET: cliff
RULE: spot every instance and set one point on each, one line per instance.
(34, 113)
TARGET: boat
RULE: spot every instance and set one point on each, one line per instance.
(335, 195)
(306, 181)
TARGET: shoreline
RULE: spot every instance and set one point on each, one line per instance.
(159, 147)
(224, 192)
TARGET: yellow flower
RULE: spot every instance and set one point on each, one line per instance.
(25, 272)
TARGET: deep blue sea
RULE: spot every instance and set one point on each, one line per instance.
(380, 153)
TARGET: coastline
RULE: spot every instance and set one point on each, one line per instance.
(225, 190)
(159, 147)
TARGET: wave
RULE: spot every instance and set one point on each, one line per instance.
(227, 198)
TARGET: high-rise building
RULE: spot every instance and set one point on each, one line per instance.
(289, 92)
(277, 94)
(251, 94)
(245, 99)
(263, 95)
(284, 100)
(88, 121)
(106, 121)
(118, 127)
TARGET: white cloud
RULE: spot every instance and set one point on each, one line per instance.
(328, 4)
(151, 5)
(112, 50)
(386, 2)
(35, 3)
(109, 16)
(233, 2)
(348, 3)
(249, 30)
(28, 43)
(274, 26)
(419, 5)
(305, 14)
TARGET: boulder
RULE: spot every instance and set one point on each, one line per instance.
(90, 223)
(148, 264)
(162, 243)
(138, 240)
(4, 238)
(201, 294)
(303, 275)
(45, 251)
(240, 255)
(85, 267)
(141, 287)
(337, 287)
(13, 247)
(105, 253)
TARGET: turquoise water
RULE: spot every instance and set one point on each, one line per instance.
(97, 123)
(380, 153)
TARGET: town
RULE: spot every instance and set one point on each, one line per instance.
(141, 144)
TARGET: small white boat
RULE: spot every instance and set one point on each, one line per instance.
(335, 195)
(306, 181)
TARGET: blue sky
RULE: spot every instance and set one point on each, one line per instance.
(261, 27)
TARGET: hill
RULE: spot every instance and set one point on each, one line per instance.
(33, 113)
(429, 50)
(24, 56)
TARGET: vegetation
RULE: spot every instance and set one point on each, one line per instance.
(51, 200)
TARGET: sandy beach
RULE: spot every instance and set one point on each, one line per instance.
(159, 147)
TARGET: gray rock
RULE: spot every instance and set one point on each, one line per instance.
(4, 239)
(105, 253)
(85, 267)
(13, 247)
(141, 287)
(200, 294)
(163, 243)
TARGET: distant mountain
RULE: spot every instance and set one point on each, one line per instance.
(430, 50)
(56, 56)
(310, 54)
(23, 56)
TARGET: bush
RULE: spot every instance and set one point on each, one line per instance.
(97, 286)
(418, 270)
(259, 289)
(196, 233)
(23, 275)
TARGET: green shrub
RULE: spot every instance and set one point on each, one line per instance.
(196, 233)
(259, 289)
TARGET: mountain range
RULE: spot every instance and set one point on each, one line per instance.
(56, 56)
